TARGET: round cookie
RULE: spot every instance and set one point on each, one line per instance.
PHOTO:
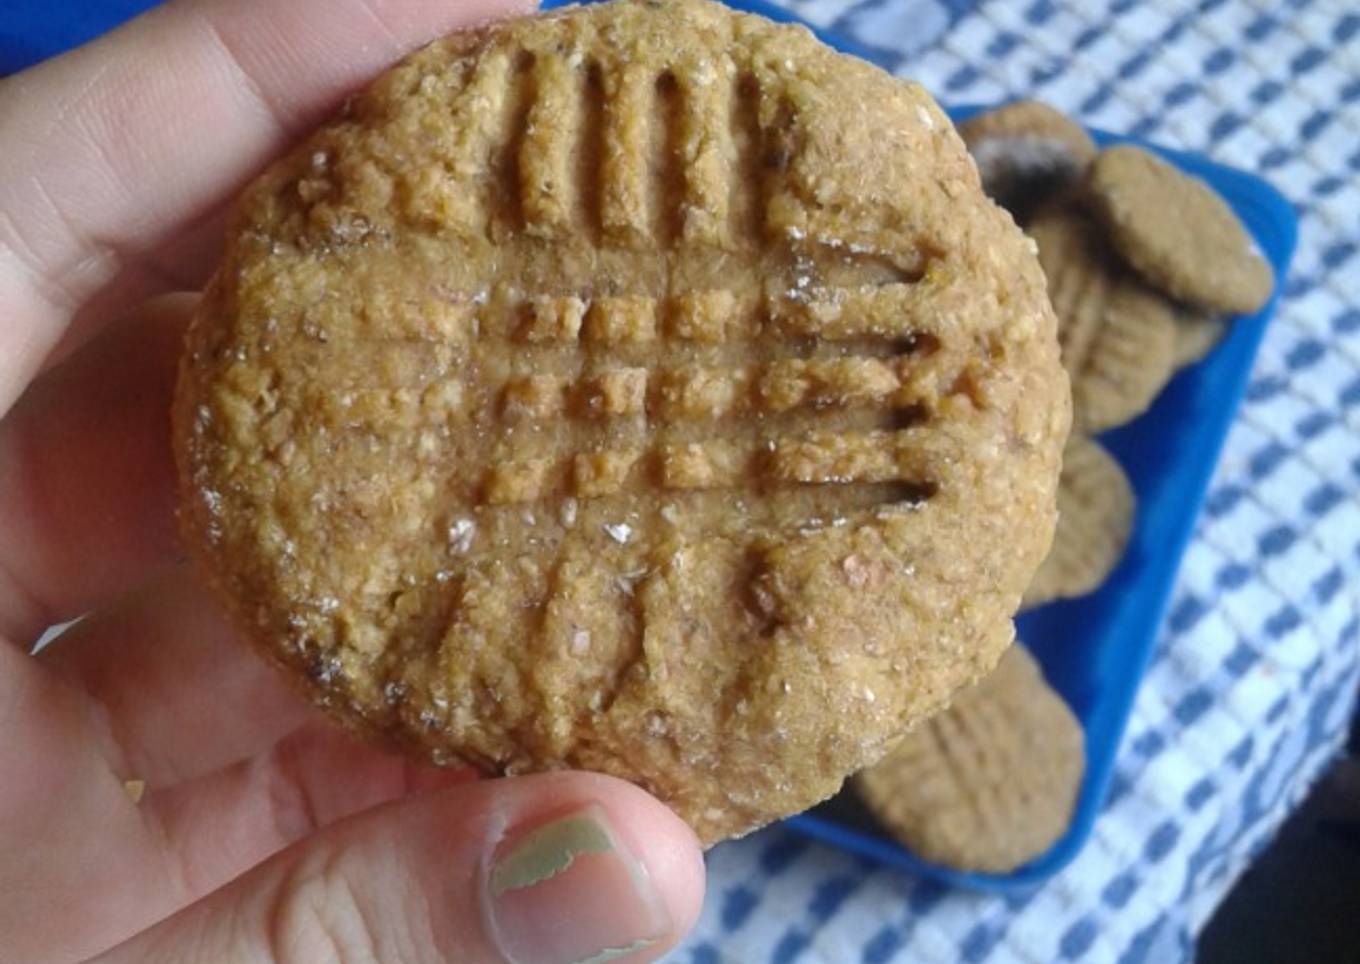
(597, 392)
(1176, 231)
(1118, 336)
(1026, 152)
(1095, 517)
(990, 782)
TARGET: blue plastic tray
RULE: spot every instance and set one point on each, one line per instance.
(1095, 650)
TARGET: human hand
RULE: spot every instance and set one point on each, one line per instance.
(163, 796)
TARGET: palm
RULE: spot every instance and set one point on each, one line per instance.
(118, 160)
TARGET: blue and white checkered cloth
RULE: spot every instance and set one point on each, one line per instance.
(1258, 663)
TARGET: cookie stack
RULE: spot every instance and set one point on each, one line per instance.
(1144, 262)
(1144, 266)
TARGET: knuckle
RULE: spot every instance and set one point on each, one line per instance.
(317, 916)
(291, 806)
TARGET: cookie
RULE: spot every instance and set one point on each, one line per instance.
(1118, 336)
(597, 392)
(1176, 231)
(989, 783)
(1197, 332)
(1095, 517)
(1026, 152)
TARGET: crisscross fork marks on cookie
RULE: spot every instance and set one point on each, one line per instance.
(816, 458)
(609, 359)
(631, 155)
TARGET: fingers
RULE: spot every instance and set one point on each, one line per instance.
(548, 869)
(217, 827)
(184, 263)
(70, 835)
(73, 833)
(117, 147)
(179, 693)
(87, 482)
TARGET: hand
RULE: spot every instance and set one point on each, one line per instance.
(163, 796)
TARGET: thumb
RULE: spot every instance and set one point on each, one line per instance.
(562, 868)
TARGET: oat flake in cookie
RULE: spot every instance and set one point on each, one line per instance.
(642, 388)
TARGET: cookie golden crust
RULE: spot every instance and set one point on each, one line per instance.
(1026, 153)
(1095, 517)
(1176, 231)
(1118, 336)
(990, 782)
(642, 387)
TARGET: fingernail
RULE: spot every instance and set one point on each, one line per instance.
(568, 891)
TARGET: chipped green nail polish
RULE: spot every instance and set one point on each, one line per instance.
(547, 851)
(568, 891)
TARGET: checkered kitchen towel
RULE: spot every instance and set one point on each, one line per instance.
(1258, 663)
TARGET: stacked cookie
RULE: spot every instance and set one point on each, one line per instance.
(1095, 517)
(990, 782)
(1144, 266)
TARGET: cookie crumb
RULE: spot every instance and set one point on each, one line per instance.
(135, 789)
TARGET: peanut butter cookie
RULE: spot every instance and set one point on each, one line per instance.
(641, 387)
(1118, 335)
(989, 783)
(1176, 231)
(1095, 517)
(1026, 153)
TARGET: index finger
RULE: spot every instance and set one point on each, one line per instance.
(117, 147)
